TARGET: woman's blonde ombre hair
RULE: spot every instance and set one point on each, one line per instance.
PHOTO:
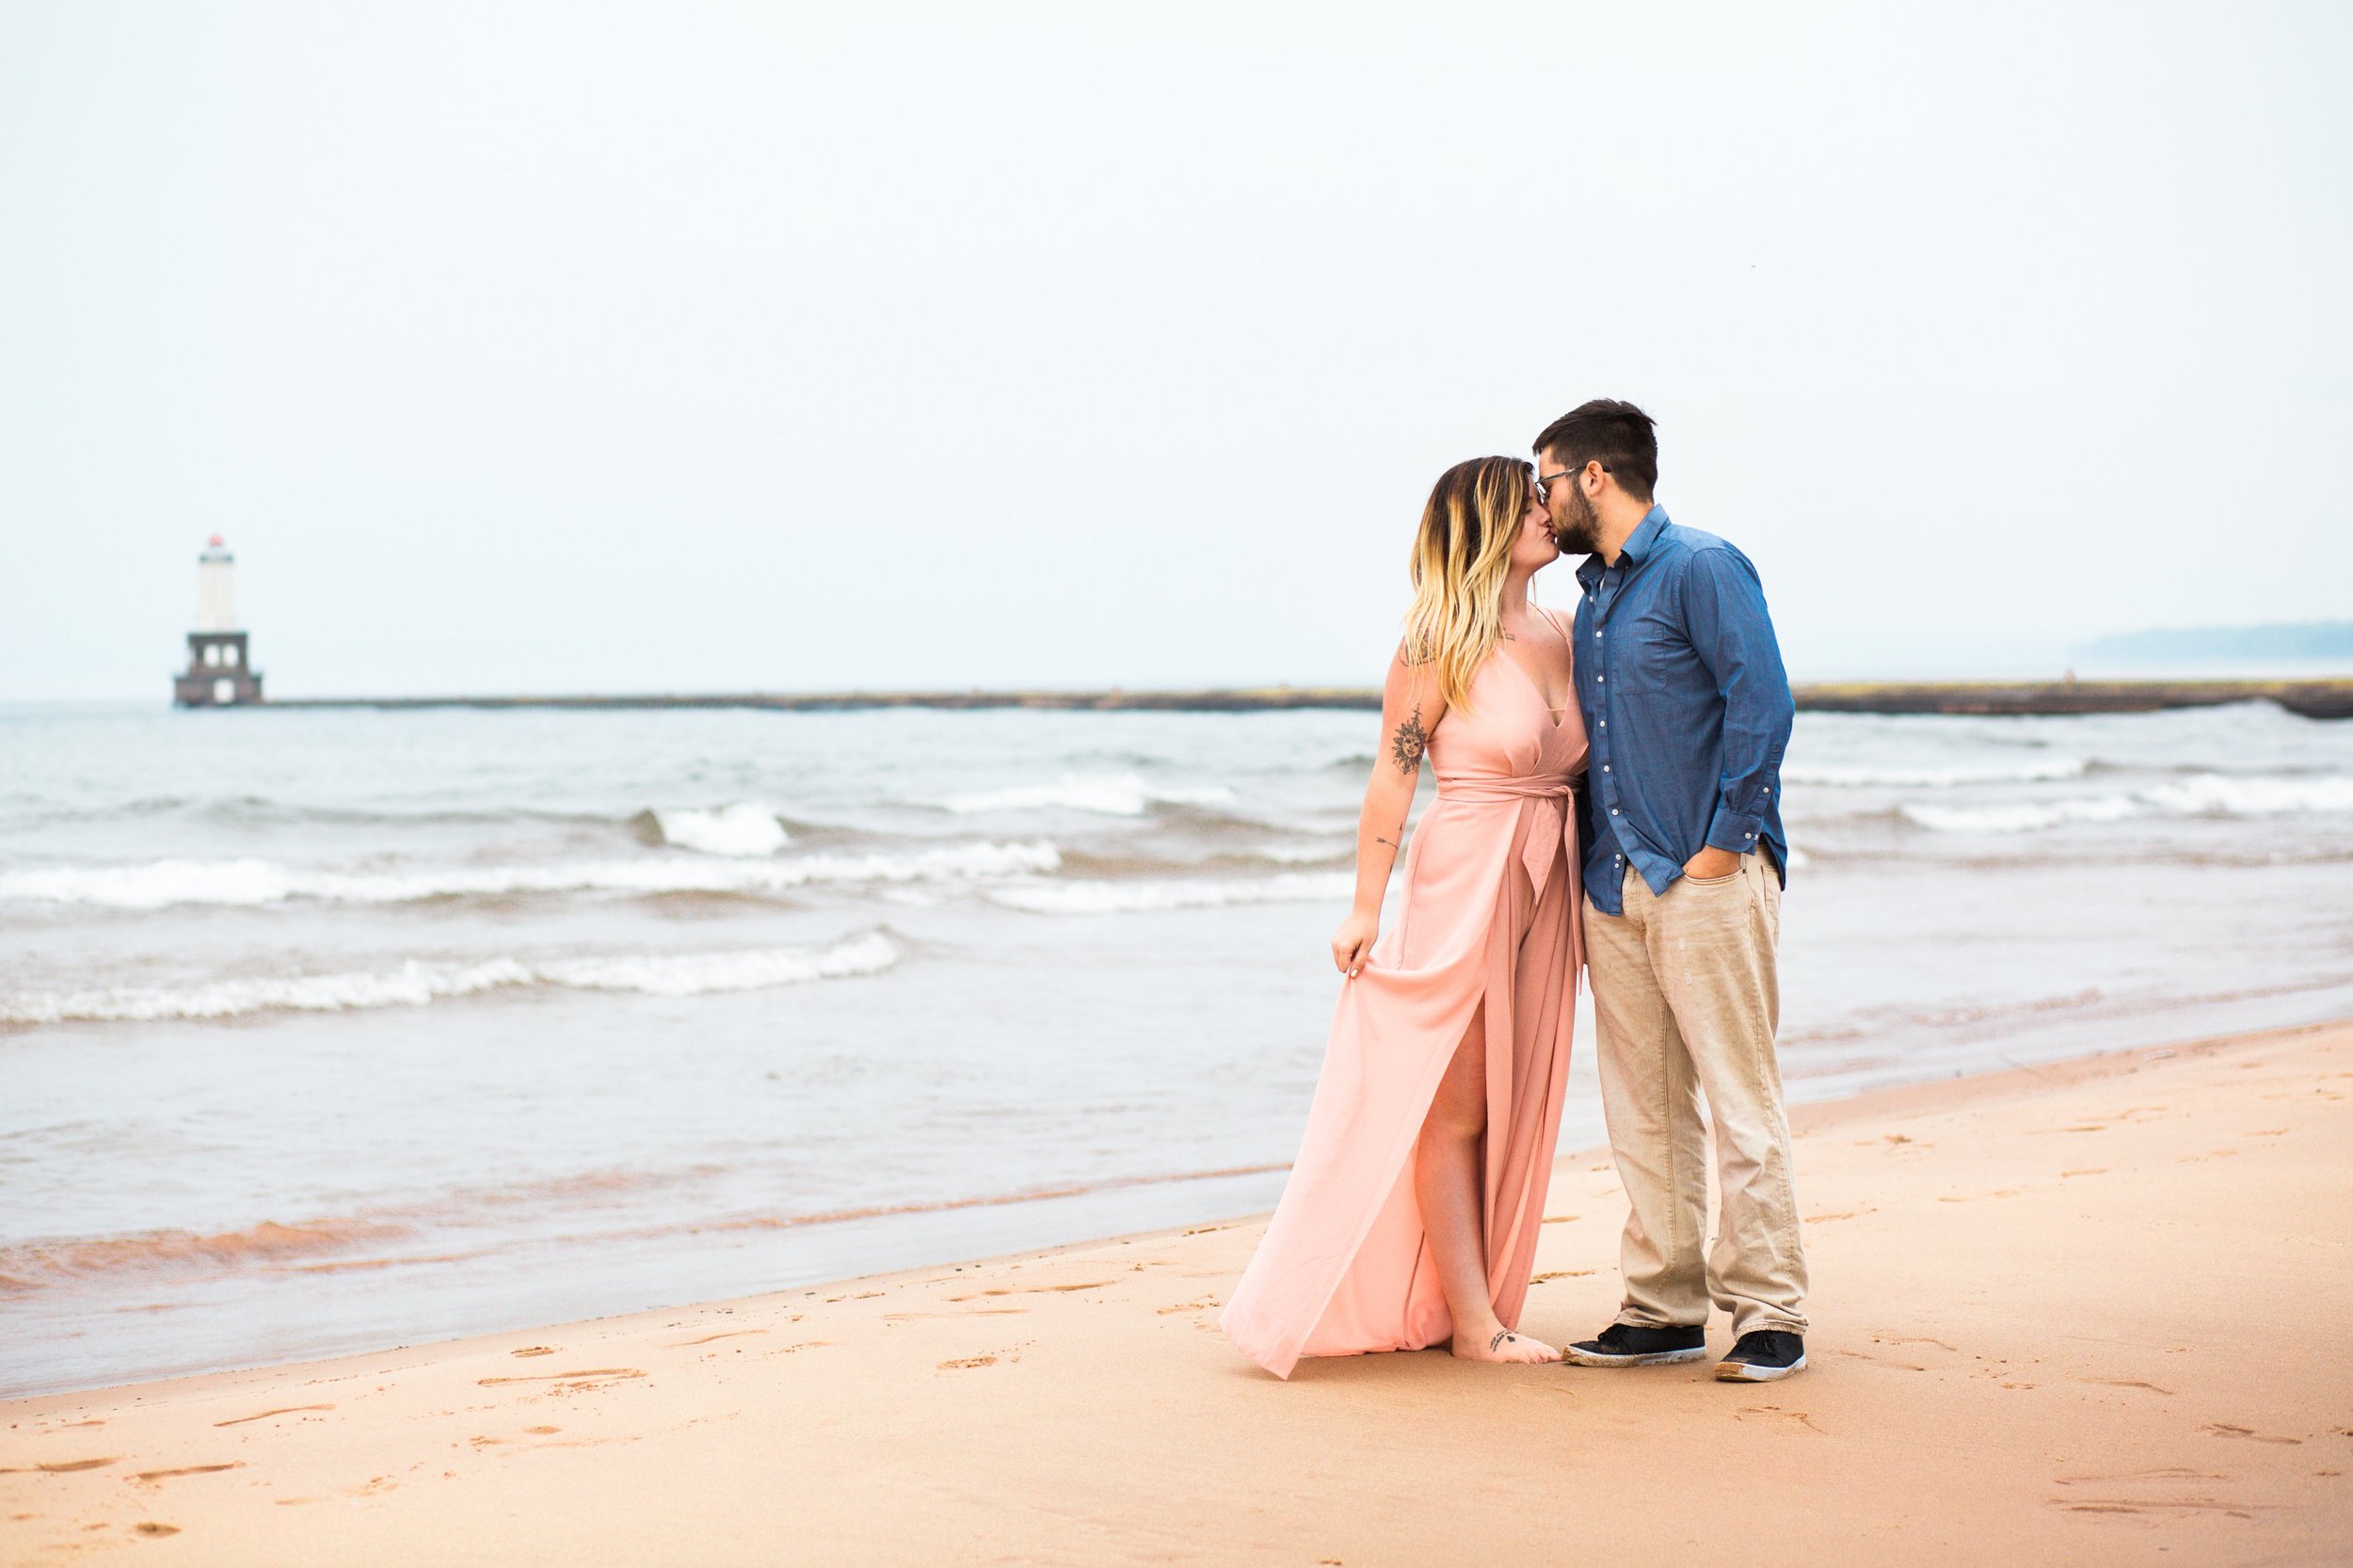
(1462, 553)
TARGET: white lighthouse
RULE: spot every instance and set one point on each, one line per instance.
(220, 670)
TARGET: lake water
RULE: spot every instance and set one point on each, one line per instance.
(329, 1029)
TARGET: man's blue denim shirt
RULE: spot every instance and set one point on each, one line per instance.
(1687, 709)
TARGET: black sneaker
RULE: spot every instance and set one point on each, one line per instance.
(1763, 1356)
(1631, 1345)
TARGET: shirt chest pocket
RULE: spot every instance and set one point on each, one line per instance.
(1652, 653)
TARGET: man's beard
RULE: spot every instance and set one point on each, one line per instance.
(1581, 533)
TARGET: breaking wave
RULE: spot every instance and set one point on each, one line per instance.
(2041, 770)
(1108, 794)
(2206, 794)
(741, 829)
(417, 984)
(1128, 898)
(30, 1265)
(161, 883)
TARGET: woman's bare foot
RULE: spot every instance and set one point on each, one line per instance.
(1502, 1344)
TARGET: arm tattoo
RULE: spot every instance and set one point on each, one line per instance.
(1411, 741)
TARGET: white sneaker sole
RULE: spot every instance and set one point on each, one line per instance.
(1740, 1371)
(1657, 1358)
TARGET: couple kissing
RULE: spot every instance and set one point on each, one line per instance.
(1608, 804)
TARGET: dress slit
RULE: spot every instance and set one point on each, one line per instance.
(1344, 1265)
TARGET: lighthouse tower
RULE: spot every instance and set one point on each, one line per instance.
(220, 673)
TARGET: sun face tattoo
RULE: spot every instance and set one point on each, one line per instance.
(1411, 741)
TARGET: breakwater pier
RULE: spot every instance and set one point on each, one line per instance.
(2327, 698)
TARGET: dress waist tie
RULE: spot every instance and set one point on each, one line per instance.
(1519, 790)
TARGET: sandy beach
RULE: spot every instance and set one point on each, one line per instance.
(2091, 1313)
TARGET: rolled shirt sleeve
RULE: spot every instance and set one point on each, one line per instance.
(1723, 607)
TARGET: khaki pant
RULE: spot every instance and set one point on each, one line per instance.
(1686, 1000)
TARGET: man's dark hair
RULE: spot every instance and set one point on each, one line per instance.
(1620, 434)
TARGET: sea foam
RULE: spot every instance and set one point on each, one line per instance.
(161, 883)
(2204, 794)
(2043, 770)
(1136, 897)
(1107, 794)
(416, 983)
(744, 829)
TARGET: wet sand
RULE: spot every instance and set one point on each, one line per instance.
(2095, 1313)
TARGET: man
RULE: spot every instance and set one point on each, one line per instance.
(1688, 713)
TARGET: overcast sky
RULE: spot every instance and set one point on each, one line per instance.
(578, 347)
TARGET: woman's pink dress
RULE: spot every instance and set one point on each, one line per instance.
(1492, 908)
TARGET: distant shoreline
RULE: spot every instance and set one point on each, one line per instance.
(2326, 699)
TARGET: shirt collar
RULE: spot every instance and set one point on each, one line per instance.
(1638, 544)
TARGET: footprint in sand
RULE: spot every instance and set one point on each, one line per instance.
(2124, 1505)
(1878, 1361)
(2144, 1493)
(1038, 1289)
(263, 1415)
(188, 1470)
(725, 1334)
(2171, 1472)
(2224, 1429)
(534, 1350)
(592, 1374)
(149, 1527)
(59, 1467)
(1775, 1412)
(967, 1361)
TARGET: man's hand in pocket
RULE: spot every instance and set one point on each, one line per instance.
(1711, 862)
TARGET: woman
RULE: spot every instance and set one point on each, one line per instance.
(1412, 1213)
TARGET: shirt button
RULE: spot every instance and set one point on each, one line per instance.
(1613, 811)
(1605, 724)
(1604, 767)
(1599, 679)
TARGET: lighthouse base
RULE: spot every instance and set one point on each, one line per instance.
(218, 673)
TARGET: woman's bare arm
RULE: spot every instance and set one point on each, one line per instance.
(1411, 708)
